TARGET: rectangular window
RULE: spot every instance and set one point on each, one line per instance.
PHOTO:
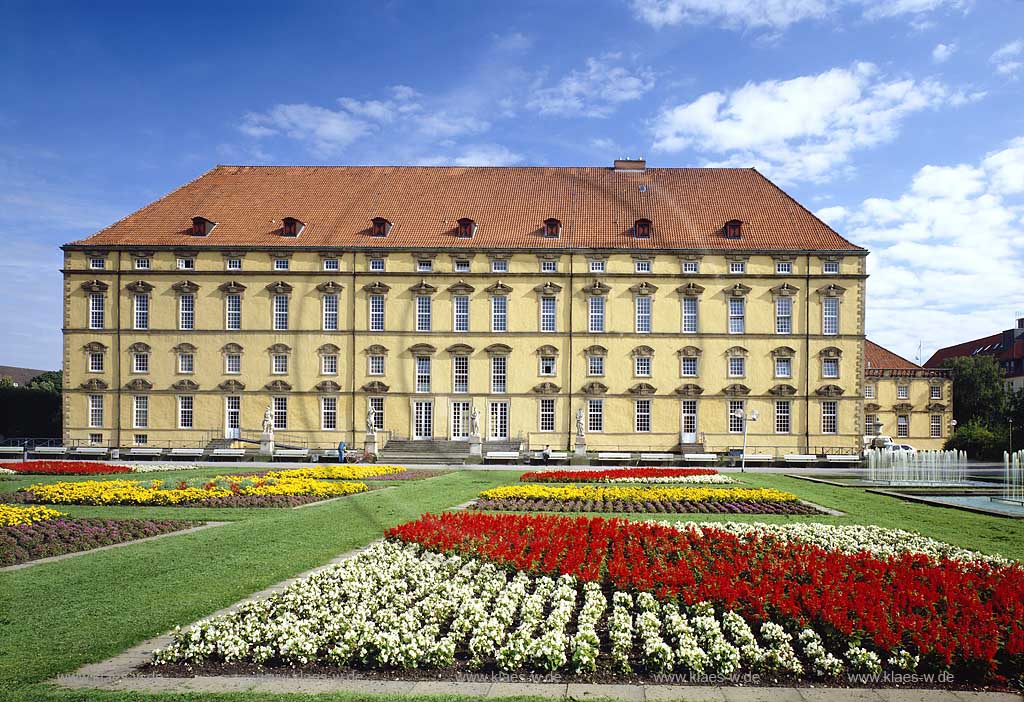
(280, 312)
(329, 364)
(869, 392)
(595, 415)
(376, 313)
(691, 266)
(547, 414)
(423, 374)
(737, 266)
(141, 311)
(140, 414)
(460, 373)
(142, 264)
(460, 308)
(233, 363)
(642, 266)
(185, 411)
(902, 392)
(595, 365)
(377, 403)
(281, 264)
(829, 416)
(280, 412)
(328, 413)
(549, 266)
(783, 367)
(737, 409)
(499, 265)
(688, 366)
(830, 316)
(423, 313)
(547, 365)
(642, 309)
(642, 416)
(377, 265)
(234, 264)
(186, 363)
(597, 266)
(782, 417)
(903, 426)
(548, 315)
(186, 264)
(279, 364)
(830, 368)
(830, 267)
(499, 374)
(461, 265)
(936, 426)
(376, 365)
(187, 312)
(783, 315)
(96, 439)
(737, 316)
(233, 314)
(737, 367)
(96, 362)
(689, 315)
(96, 308)
(424, 265)
(869, 424)
(499, 313)
(95, 411)
(642, 366)
(140, 439)
(596, 305)
(330, 304)
(97, 263)
(783, 267)
(935, 392)
(331, 264)
(140, 363)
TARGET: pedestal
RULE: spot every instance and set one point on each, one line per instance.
(475, 447)
(370, 444)
(581, 446)
(267, 444)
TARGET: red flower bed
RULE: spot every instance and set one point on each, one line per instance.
(970, 616)
(65, 467)
(597, 476)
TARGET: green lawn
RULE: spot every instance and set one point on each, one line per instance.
(56, 617)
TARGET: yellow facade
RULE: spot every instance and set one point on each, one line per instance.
(808, 390)
(914, 407)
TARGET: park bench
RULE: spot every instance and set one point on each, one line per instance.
(757, 457)
(325, 454)
(800, 458)
(186, 452)
(842, 458)
(291, 453)
(49, 450)
(150, 451)
(608, 456)
(560, 456)
(228, 453)
(14, 451)
(91, 450)
(656, 458)
(501, 456)
(700, 457)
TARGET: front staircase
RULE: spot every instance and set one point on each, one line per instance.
(404, 452)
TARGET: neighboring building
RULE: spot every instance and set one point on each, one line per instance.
(20, 376)
(658, 301)
(913, 404)
(1007, 347)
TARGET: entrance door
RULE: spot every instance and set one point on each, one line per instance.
(499, 421)
(460, 421)
(689, 425)
(423, 419)
(233, 417)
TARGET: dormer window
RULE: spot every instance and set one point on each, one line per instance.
(379, 226)
(292, 226)
(733, 229)
(466, 228)
(552, 228)
(642, 228)
(201, 226)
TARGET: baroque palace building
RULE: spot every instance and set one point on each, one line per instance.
(660, 301)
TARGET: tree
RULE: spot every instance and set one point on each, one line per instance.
(50, 381)
(978, 389)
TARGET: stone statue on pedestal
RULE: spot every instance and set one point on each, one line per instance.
(579, 423)
(474, 422)
(268, 421)
(371, 421)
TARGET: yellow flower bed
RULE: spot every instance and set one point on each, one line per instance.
(636, 494)
(336, 472)
(12, 515)
(134, 492)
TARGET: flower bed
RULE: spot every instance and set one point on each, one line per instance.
(59, 535)
(589, 498)
(10, 515)
(161, 467)
(706, 476)
(336, 472)
(221, 491)
(66, 467)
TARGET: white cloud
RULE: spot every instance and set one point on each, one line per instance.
(476, 155)
(779, 14)
(326, 131)
(943, 52)
(513, 41)
(594, 91)
(805, 128)
(1009, 58)
(832, 215)
(945, 255)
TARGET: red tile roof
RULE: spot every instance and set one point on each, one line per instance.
(879, 357)
(992, 345)
(597, 207)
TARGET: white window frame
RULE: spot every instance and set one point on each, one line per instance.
(330, 305)
(595, 416)
(461, 265)
(96, 411)
(903, 426)
(140, 362)
(935, 392)
(140, 411)
(329, 364)
(783, 315)
(460, 313)
(737, 367)
(784, 367)
(902, 392)
(642, 416)
(424, 313)
(332, 264)
(377, 305)
(735, 424)
(642, 265)
(546, 414)
(282, 264)
(783, 267)
(548, 314)
(830, 316)
(422, 379)
(596, 314)
(737, 315)
(377, 403)
(499, 374)
(460, 373)
(279, 364)
(547, 266)
(869, 424)
(377, 365)
(595, 366)
(97, 263)
(643, 314)
(187, 311)
(829, 417)
(143, 263)
(691, 267)
(869, 391)
(232, 363)
(783, 417)
(233, 312)
(688, 367)
(830, 267)
(499, 313)
(186, 411)
(377, 265)
(97, 311)
(186, 263)
(690, 311)
(597, 266)
(140, 312)
(280, 312)
(329, 413)
(548, 366)
(186, 363)
(643, 366)
(499, 265)
(935, 426)
(737, 267)
(830, 368)
(424, 265)
(280, 405)
(96, 364)
(233, 263)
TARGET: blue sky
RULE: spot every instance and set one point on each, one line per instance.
(898, 122)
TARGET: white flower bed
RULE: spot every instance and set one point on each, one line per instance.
(7, 471)
(852, 538)
(397, 606)
(716, 479)
(161, 467)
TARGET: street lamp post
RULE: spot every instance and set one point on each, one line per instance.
(752, 417)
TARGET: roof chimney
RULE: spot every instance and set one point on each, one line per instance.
(630, 164)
